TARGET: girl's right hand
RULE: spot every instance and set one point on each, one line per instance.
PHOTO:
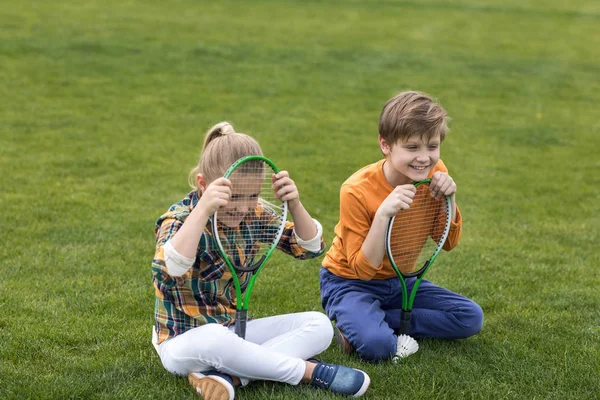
(215, 196)
(400, 199)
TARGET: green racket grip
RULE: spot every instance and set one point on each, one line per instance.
(404, 323)
(241, 316)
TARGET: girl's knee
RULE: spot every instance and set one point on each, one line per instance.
(323, 323)
(321, 327)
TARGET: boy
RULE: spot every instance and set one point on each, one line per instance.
(359, 288)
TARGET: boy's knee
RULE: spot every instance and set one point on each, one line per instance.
(472, 320)
(376, 346)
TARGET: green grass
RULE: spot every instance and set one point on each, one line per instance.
(103, 109)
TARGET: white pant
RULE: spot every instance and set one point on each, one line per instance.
(274, 349)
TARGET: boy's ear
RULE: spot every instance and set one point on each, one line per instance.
(383, 145)
(200, 182)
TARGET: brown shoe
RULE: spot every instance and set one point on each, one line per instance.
(212, 385)
(343, 343)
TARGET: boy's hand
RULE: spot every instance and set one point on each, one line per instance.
(400, 199)
(285, 188)
(442, 184)
(215, 196)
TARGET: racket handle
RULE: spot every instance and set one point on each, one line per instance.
(241, 316)
(404, 323)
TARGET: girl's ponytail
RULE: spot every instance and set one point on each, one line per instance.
(222, 147)
(220, 129)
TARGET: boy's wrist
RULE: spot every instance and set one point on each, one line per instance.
(380, 216)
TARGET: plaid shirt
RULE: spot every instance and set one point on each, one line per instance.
(206, 293)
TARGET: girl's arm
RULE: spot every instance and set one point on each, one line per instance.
(286, 190)
(217, 194)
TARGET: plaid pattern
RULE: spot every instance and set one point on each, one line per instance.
(206, 293)
(241, 245)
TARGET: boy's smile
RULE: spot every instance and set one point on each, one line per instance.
(410, 160)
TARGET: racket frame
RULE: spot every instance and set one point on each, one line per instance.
(241, 313)
(407, 301)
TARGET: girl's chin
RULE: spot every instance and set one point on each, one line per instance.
(230, 221)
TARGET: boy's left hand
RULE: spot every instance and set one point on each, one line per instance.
(284, 187)
(442, 184)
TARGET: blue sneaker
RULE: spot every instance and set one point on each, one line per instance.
(212, 385)
(340, 379)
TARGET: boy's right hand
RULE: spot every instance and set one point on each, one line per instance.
(215, 196)
(400, 199)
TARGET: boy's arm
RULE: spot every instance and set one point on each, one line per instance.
(400, 199)
(443, 184)
(354, 226)
(364, 239)
(455, 230)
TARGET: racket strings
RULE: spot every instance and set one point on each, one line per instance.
(418, 231)
(250, 224)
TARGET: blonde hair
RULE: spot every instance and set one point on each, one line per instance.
(412, 113)
(222, 147)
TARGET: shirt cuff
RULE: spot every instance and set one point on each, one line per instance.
(456, 224)
(363, 268)
(314, 244)
(177, 265)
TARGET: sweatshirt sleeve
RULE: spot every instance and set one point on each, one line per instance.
(455, 227)
(355, 223)
(455, 232)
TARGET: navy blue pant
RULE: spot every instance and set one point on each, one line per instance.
(368, 312)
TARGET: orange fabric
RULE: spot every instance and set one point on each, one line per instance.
(360, 197)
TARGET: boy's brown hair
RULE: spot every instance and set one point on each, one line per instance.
(412, 113)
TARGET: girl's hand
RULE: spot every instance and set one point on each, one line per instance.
(285, 188)
(442, 185)
(215, 196)
(400, 199)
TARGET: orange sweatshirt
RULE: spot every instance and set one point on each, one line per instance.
(360, 197)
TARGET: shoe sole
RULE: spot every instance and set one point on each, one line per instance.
(199, 382)
(364, 386)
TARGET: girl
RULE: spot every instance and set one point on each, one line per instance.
(195, 301)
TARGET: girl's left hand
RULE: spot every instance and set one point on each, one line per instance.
(284, 187)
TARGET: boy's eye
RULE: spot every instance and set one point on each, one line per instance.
(434, 146)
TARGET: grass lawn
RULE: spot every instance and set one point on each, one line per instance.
(103, 107)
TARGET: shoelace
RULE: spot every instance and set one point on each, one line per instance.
(324, 374)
